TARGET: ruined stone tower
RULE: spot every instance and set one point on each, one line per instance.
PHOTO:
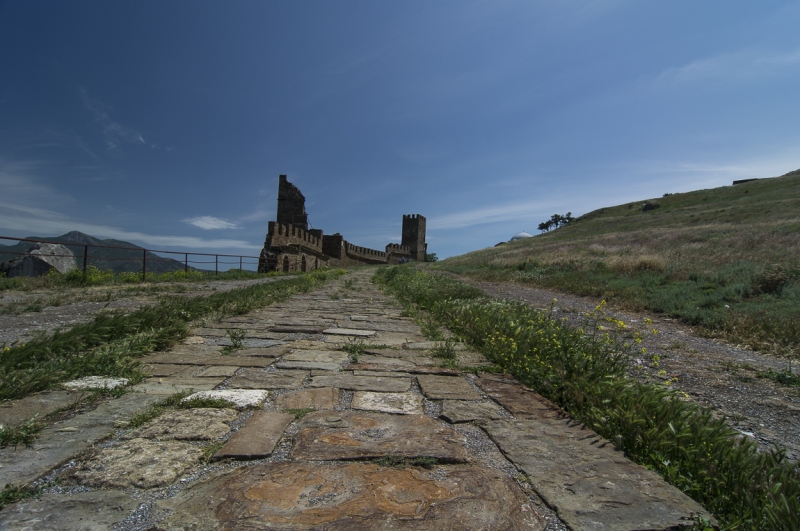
(414, 235)
(291, 205)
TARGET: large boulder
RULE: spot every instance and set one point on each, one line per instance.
(39, 260)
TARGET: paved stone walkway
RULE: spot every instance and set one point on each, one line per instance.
(387, 441)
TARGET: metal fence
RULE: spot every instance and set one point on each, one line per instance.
(188, 259)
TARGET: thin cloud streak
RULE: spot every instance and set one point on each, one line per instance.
(744, 65)
(114, 132)
(211, 223)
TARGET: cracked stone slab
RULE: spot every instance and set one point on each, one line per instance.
(200, 424)
(280, 379)
(218, 370)
(257, 438)
(319, 398)
(95, 382)
(591, 486)
(241, 398)
(169, 386)
(328, 436)
(63, 440)
(80, 511)
(404, 403)
(516, 398)
(354, 497)
(362, 383)
(457, 411)
(437, 387)
(138, 463)
(17, 411)
(348, 332)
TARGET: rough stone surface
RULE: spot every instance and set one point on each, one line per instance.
(355, 497)
(329, 360)
(456, 411)
(218, 370)
(80, 511)
(38, 260)
(164, 386)
(169, 369)
(446, 387)
(297, 329)
(266, 352)
(139, 463)
(242, 398)
(405, 403)
(362, 383)
(62, 440)
(325, 436)
(95, 382)
(17, 411)
(319, 398)
(516, 398)
(257, 438)
(200, 424)
(280, 379)
(592, 486)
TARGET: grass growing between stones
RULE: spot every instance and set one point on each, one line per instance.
(23, 433)
(584, 372)
(299, 412)
(110, 343)
(12, 493)
(724, 259)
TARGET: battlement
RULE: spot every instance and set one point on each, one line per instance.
(365, 253)
(281, 234)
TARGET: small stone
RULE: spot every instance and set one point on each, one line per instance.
(96, 382)
(169, 386)
(437, 387)
(200, 424)
(280, 379)
(348, 332)
(320, 398)
(218, 370)
(257, 439)
(457, 411)
(362, 383)
(242, 398)
(404, 403)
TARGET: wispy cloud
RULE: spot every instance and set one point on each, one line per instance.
(114, 132)
(743, 65)
(490, 214)
(211, 223)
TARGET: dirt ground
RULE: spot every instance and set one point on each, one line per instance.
(714, 374)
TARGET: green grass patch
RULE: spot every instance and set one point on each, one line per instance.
(584, 370)
(110, 343)
(13, 494)
(23, 433)
(299, 412)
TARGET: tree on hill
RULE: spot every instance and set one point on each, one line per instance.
(555, 221)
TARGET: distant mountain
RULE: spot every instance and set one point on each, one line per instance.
(118, 260)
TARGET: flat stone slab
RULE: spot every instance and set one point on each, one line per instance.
(354, 497)
(241, 398)
(381, 374)
(457, 411)
(235, 358)
(62, 440)
(84, 511)
(95, 382)
(201, 424)
(328, 436)
(405, 403)
(266, 352)
(139, 463)
(169, 386)
(438, 387)
(319, 398)
(430, 345)
(257, 438)
(329, 360)
(280, 379)
(591, 486)
(249, 343)
(516, 398)
(297, 329)
(362, 383)
(384, 360)
(218, 370)
(348, 332)
(18, 411)
(169, 369)
(355, 367)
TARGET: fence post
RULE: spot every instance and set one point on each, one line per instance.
(240, 264)
(216, 264)
(186, 263)
(144, 265)
(85, 257)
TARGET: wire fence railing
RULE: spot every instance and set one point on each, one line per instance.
(147, 258)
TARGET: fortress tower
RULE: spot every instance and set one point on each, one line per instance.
(291, 205)
(414, 235)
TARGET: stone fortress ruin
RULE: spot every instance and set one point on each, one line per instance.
(291, 246)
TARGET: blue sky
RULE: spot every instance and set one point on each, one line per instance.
(168, 123)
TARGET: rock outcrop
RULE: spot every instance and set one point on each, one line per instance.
(39, 260)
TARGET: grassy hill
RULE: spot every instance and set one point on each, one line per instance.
(117, 260)
(727, 259)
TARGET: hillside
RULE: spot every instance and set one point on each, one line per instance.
(117, 260)
(725, 258)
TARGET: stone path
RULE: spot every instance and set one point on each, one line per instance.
(385, 439)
